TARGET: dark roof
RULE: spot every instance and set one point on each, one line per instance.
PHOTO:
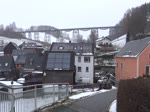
(13, 44)
(21, 59)
(76, 47)
(7, 63)
(9, 48)
(33, 61)
(29, 45)
(134, 48)
(59, 60)
(17, 52)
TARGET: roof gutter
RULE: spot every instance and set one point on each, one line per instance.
(137, 67)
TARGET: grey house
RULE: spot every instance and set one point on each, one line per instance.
(8, 69)
(33, 69)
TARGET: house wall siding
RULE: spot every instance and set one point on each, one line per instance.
(59, 77)
(144, 60)
(128, 69)
(86, 76)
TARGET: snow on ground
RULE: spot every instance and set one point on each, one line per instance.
(88, 93)
(113, 106)
(17, 41)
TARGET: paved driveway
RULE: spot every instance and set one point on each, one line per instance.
(96, 103)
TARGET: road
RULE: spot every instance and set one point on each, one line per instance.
(96, 103)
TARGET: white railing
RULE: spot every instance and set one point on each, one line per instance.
(30, 98)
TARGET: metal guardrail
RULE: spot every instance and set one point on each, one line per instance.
(30, 98)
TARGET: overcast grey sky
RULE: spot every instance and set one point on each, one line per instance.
(65, 13)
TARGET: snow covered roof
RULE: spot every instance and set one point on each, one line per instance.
(8, 83)
(100, 39)
(133, 48)
(76, 47)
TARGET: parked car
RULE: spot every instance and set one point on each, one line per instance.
(104, 83)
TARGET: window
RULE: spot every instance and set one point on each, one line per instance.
(79, 69)
(75, 48)
(60, 47)
(79, 59)
(147, 70)
(121, 66)
(86, 59)
(87, 69)
(6, 64)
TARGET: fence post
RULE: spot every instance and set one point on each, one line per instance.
(59, 91)
(53, 93)
(35, 96)
(67, 90)
(12, 101)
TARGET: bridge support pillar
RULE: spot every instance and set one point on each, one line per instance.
(47, 38)
(29, 36)
(36, 36)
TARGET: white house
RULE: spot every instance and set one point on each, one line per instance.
(103, 41)
(84, 67)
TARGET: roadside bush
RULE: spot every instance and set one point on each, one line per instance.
(134, 95)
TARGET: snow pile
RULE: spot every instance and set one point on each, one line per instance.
(88, 93)
(113, 106)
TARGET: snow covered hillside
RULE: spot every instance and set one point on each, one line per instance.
(6, 40)
(120, 41)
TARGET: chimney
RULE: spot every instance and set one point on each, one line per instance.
(69, 41)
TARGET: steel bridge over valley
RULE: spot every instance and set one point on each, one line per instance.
(35, 34)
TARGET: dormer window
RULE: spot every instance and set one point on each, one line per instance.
(75, 48)
(6, 64)
(60, 47)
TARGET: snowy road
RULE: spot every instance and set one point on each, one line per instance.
(96, 103)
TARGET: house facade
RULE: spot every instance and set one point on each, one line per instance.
(133, 60)
(33, 69)
(103, 41)
(8, 70)
(19, 56)
(84, 68)
(59, 67)
(84, 59)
